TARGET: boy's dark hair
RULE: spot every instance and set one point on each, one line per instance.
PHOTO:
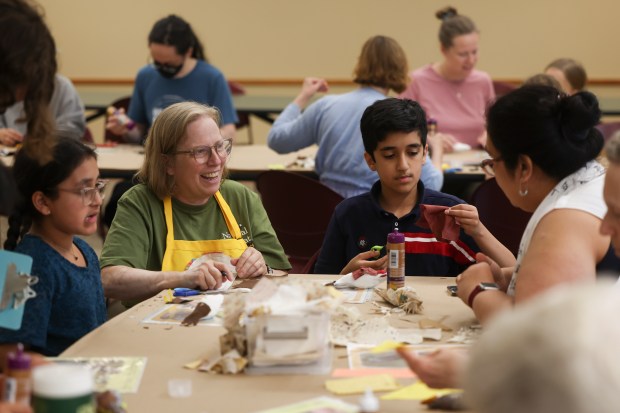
(388, 116)
(30, 177)
(174, 31)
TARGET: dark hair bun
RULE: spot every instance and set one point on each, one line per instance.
(578, 114)
(446, 13)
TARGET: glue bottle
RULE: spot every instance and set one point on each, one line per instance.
(396, 259)
(369, 403)
(432, 126)
(17, 384)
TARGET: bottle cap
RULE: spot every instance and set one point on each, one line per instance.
(395, 237)
(58, 381)
(369, 403)
(431, 121)
(18, 360)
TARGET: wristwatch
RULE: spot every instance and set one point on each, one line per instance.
(480, 288)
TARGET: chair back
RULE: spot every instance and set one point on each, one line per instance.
(299, 209)
(502, 88)
(118, 104)
(505, 221)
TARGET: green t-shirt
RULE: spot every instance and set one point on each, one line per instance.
(137, 237)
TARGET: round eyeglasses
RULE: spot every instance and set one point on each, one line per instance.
(89, 194)
(488, 165)
(202, 154)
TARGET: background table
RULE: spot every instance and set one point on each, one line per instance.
(169, 348)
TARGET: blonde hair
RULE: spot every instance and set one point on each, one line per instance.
(382, 63)
(167, 131)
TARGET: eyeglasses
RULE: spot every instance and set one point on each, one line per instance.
(488, 165)
(202, 154)
(89, 194)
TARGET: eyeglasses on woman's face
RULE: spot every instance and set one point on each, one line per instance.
(488, 165)
(202, 154)
(89, 194)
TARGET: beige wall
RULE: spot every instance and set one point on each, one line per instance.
(290, 39)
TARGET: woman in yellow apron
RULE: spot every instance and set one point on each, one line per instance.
(180, 211)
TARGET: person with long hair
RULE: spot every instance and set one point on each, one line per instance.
(452, 91)
(333, 122)
(59, 200)
(179, 72)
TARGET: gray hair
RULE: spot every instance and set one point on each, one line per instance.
(555, 354)
(612, 149)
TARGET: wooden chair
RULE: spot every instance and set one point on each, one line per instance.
(505, 221)
(502, 88)
(299, 209)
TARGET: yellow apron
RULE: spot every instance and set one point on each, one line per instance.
(179, 253)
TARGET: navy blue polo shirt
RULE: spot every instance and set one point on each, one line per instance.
(359, 222)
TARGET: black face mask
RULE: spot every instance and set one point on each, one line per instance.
(168, 71)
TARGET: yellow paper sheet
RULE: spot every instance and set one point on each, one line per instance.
(386, 346)
(417, 391)
(358, 385)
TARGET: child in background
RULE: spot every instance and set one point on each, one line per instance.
(59, 199)
(394, 134)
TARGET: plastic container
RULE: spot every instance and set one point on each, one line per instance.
(18, 377)
(62, 388)
(396, 259)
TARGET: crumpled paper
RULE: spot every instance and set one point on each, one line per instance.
(405, 298)
(362, 278)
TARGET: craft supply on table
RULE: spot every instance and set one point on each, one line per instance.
(17, 384)
(396, 259)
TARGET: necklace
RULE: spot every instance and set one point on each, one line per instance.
(63, 251)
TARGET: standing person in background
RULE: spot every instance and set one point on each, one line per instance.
(67, 110)
(452, 91)
(179, 72)
(333, 121)
(569, 73)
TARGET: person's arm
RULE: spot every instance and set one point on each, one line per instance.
(485, 304)
(431, 176)
(126, 283)
(10, 137)
(293, 130)
(68, 108)
(467, 217)
(565, 248)
(441, 369)
(6, 407)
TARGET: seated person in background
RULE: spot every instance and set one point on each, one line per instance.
(561, 243)
(445, 368)
(179, 72)
(543, 79)
(180, 211)
(569, 73)
(394, 134)
(61, 198)
(333, 121)
(67, 110)
(452, 91)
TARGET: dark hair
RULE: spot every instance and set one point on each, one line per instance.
(174, 31)
(388, 116)
(574, 72)
(28, 59)
(543, 79)
(31, 177)
(453, 25)
(555, 130)
(7, 190)
(382, 63)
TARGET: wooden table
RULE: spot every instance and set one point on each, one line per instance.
(169, 348)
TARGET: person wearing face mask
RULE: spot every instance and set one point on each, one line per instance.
(452, 91)
(179, 72)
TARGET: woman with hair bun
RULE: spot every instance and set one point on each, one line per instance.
(452, 91)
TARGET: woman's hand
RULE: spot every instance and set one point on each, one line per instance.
(209, 275)
(250, 264)
(471, 277)
(467, 217)
(365, 259)
(501, 276)
(10, 137)
(114, 123)
(309, 88)
(14, 408)
(441, 369)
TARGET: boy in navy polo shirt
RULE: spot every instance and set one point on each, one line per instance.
(394, 134)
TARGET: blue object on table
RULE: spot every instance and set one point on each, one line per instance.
(453, 170)
(185, 292)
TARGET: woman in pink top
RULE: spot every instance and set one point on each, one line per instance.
(452, 91)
